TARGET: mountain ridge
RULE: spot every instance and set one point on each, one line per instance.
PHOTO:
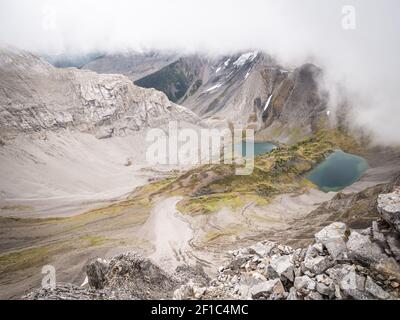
(36, 96)
(71, 139)
(246, 90)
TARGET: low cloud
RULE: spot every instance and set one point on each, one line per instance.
(364, 60)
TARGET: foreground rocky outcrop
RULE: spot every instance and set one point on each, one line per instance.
(125, 277)
(389, 208)
(341, 263)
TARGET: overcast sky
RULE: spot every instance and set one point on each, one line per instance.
(362, 54)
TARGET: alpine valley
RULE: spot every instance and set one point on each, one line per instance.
(318, 218)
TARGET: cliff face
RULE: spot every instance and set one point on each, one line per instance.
(252, 90)
(71, 137)
(35, 96)
(297, 107)
(178, 79)
(246, 89)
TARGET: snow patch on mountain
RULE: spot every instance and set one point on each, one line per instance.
(213, 87)
(246, 57)
(268, 103)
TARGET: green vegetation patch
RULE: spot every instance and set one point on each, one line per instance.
(17, 208)
(27, 258)
(211, 187)
(174, 80)
(41, 255)
(94, 241)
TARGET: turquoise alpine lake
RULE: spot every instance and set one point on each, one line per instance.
(338, 171)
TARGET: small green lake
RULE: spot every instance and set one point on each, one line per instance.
(258, 147)
(338, 171)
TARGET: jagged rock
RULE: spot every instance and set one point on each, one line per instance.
(199, 292)
(309, 273)
(318, 264)
(271, 273)
(323, 278)
(338, 272)
(389, 267)
(333, 237)
(312, 251)
(283, 266)
(131, 276)
(238, 262)
(393, 241)
(366, 232)
(313, 295)
(257, 276)
(324, 289)
(389, 208)
(243, 291)
(261, 265)
(194, 273)
(304, 282)
(375, 290)
(298, 256)
(127, 276)
(189, 291)
(353, 285)
(234, 279)
(256, 273)
(362, 249)
(262, 249)
(338, 293)
(264, 289)
(96, 272)
(246, 282)
(298, 272)
(377, 235)
(285, 249)
(319, 247)
(292, 294)
(184, 292)
(66, 292)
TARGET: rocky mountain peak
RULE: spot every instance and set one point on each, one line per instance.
(13, 58)
(247, 89)
(36, 96)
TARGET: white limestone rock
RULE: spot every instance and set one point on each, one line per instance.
(362, 249)
(304, 282)
(389, 208)
(283, 266)
(264, 289)
(333, 237)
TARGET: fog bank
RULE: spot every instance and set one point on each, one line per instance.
(355, 42)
